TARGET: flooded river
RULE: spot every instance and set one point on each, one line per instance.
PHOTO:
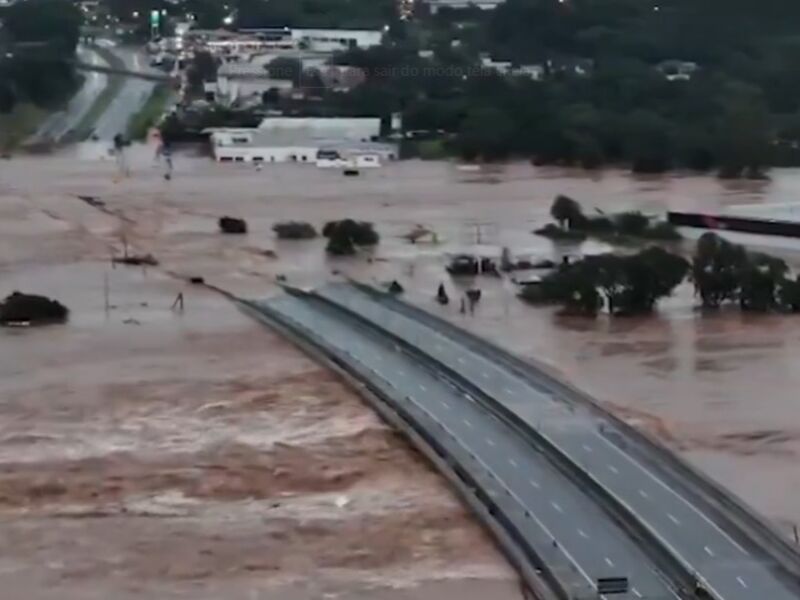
(721, 389)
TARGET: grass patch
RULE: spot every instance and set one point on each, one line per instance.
(141, 122)
(16, 126)
(84, 129)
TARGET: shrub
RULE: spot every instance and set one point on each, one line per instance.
(555, 232)
(294, 230)
(232, 225)
(631, 223)
(345, 235)
(30, 308)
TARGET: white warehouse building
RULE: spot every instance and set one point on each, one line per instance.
(320, 141)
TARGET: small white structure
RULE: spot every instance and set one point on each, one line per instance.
(335, 40)
(244, 82)
(437, 5)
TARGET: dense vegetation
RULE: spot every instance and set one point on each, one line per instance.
(574, 225)
(37, 39)
(622, 285)
(294, 230)
(604, 96)
(722, 272)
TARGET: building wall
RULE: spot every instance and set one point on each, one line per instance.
(283, 154)
(331, 40)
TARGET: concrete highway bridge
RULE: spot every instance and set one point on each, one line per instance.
(584, 505)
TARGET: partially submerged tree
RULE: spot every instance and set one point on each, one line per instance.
(567, 212)
(32, 309)
(294, 230)
(624, 285)
(346, 235)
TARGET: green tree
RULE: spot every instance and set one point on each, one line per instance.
(485, 133)
(567, 212)
(715, 269)
(744, 139)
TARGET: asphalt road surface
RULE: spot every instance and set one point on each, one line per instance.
(727, 569)
(577, 540)
(131, 97)
(58, 124)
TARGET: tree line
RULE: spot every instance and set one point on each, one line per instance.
(37, 40)
(721, 272)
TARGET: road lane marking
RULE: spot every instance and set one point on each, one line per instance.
(446, 405)
(489, 441)
(643, 494)
(587, 447)
(509, 391)
(582, 533)
(674, 493)
(485, 375)
(534, 484)
(512, 462)
(467, 423)
(741, 582)
(557, 507)
(708, 550)
(613, 469)
(673, 519)
(461, 360)
(401, 373)
(609, 562)
(636, 592)
(423, 388)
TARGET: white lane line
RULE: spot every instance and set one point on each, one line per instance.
(467, 423)
(674, 493)
(643, 494)
(636, 592)
(613, 469)
(557, 507)
(490, 441)
(512, 462)
(609, 562)
(423, 388)
(543, 527)
(485, 375)
(534, 484)
(401, 373)
(708, 550)
(582, 533)
(509, 391)
(673, 519)
(446, 405)
(587, 447)
(741, 582)
(461, 360)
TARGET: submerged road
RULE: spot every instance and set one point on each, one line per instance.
(728, 569)
(577, 540)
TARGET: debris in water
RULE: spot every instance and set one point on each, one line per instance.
(136, 260)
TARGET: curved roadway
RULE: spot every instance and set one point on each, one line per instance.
(577, 540)
(726, 568)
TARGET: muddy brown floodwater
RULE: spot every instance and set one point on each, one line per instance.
(147, 453)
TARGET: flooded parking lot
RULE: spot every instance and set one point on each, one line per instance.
(225, 461)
